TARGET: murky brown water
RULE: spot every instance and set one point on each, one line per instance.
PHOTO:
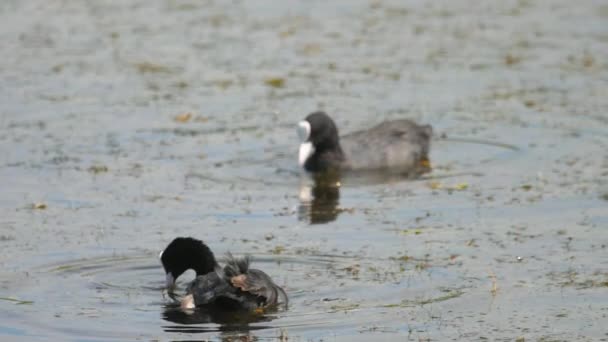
(101, 166)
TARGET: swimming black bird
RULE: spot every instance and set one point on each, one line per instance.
(236, 286)
(399, 146)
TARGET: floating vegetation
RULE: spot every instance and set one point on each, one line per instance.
(512, 60)
(223, 84)
(278, 249)
(424, 301)
(572, 278)
(17, 301)
(588, 61)
(147, 67)
(183, 118)
(39, 206)
(275, 82)
(494, 289)
(345, 307)
(410, 231)
(436, 185)
(404, 258)
(353, 270)
(449, 295)
(181, 85)
(311, 49)
(98, 169)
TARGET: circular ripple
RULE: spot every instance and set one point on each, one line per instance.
(122, 296)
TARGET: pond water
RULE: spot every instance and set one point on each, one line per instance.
(126, 124)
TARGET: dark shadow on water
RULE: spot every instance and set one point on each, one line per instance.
(204, 320)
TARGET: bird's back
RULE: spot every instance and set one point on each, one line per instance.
(400, 145)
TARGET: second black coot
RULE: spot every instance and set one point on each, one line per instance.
(400, 146)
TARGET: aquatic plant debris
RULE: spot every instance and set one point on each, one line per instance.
(436, 185)
(275, 82)
(410, 231)
(39, 206)
(183, 118)
(98, 168)
(148, 67)
(278, 249)
(17, 301)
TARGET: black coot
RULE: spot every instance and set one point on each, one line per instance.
(399, 146)
(236, 286)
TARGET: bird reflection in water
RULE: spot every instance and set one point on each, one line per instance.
(210, 319)
(319, 198)
(320, 192)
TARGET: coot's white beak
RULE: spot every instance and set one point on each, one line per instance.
(306, 147)
(306, 150)
(170, 281)
(304, 130)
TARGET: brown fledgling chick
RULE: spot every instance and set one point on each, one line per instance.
(254, 281)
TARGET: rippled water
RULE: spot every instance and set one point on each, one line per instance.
(101, 166)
